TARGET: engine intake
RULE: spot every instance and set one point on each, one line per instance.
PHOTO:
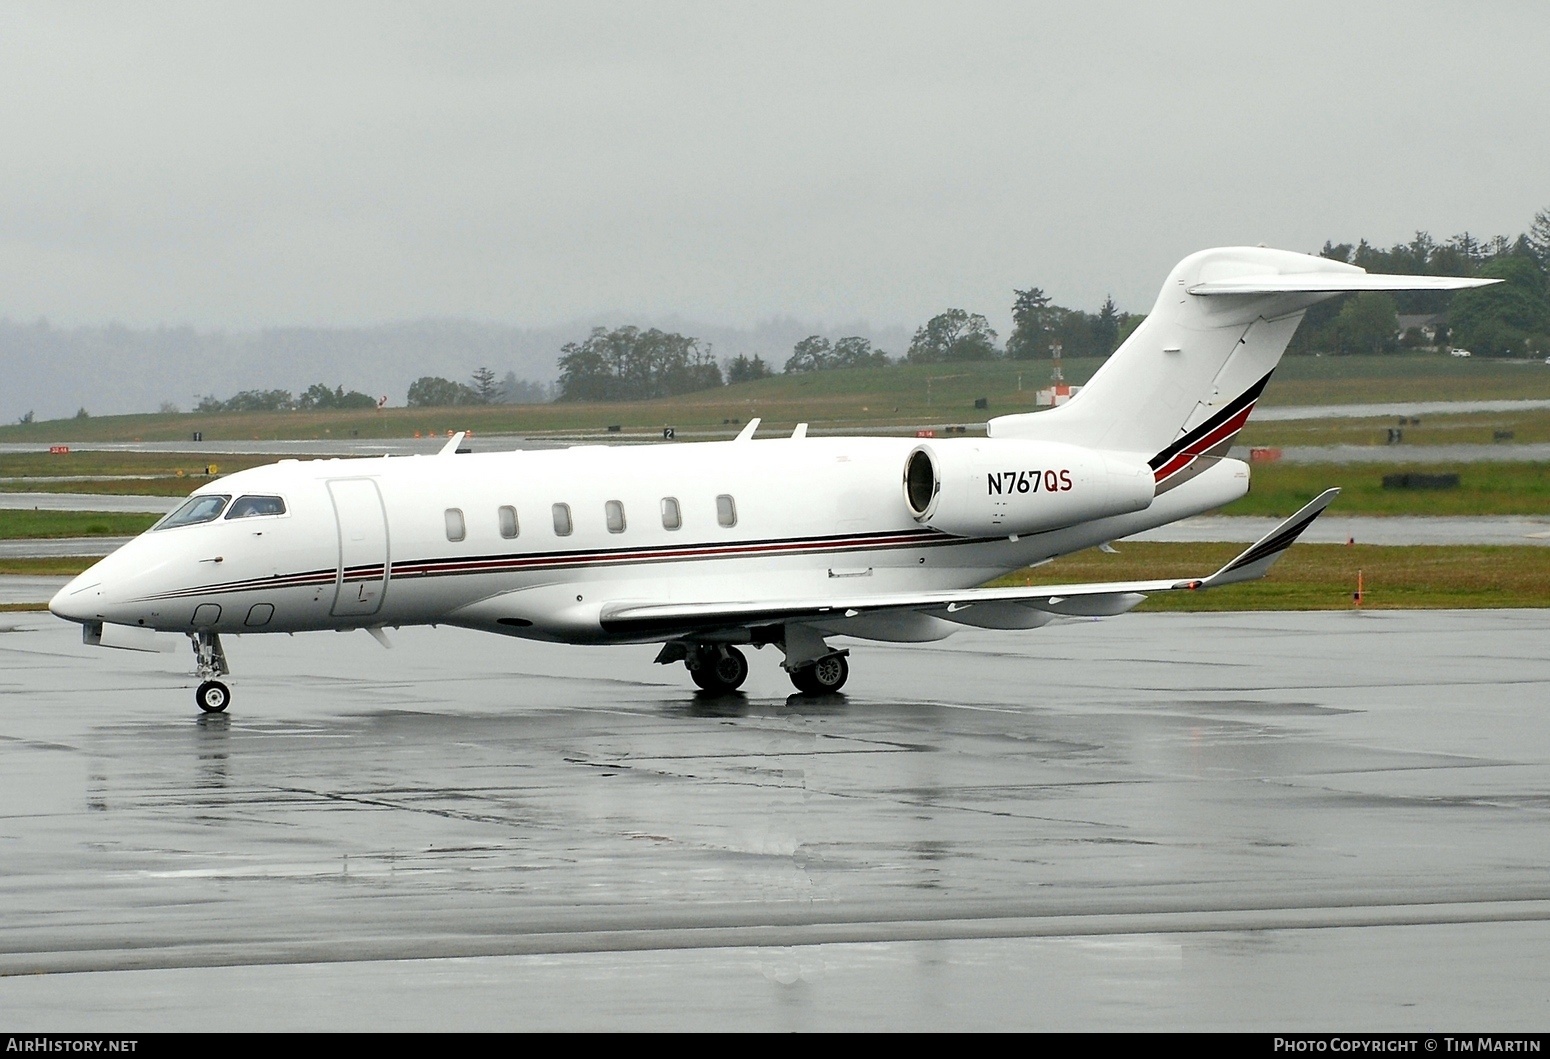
(1004, 487)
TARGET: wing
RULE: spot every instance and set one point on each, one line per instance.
(670, 620)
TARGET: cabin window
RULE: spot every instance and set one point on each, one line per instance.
(672, 518)
(508, 521)
(195, 510)
(457, 529)
(726, 511)
(562, 522)
(613, 512)
(250, 506)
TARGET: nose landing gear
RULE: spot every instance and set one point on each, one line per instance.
(213, 696)
(210, 662)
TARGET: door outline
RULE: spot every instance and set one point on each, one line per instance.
(362, 510)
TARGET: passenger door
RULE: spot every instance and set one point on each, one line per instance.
(361, 579)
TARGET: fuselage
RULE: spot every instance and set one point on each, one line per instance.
(535, 543)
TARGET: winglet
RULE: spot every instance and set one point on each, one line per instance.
(747, 432)
(1259, 557)
(450, 448)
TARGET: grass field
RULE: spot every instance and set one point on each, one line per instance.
(26, 524)
(1322, 576)
(61, 566)
(874, 397)
(1278, 489)
(172, 473)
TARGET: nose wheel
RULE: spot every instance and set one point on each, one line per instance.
(210, 662)
(213, 696)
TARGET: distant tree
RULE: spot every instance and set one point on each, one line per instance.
(1368, 323)
(630, 364)
(1105, 329)
(853, 351)
(319, 396)
(26, 418)
(485, 388)
(316, 396)
(521, 391)
(811, 354)
(953, 336)
(82, 413)
(741, 369)
(1504, 318)
(431, 391)
(169, 409)
(1032, 325)
(258, 401)
(1538, 238)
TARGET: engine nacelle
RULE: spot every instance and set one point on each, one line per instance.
(1004, 487)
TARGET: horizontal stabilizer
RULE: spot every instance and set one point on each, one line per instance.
(1330, 283)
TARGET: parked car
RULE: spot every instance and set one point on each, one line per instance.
(1459, 352)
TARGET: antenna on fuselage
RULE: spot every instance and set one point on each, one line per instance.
(450, 448)
(747, 432)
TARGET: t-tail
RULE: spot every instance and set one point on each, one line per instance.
(1181, 387)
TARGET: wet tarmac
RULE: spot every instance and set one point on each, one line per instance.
(1270, 821)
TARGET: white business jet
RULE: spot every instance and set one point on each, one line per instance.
(783, 541)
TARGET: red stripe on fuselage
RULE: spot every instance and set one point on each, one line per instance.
(1210, 440)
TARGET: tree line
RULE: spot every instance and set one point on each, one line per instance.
(316, 397)
(1507, 319)
(631, 363)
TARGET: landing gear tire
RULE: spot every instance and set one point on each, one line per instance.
(719, 672)
(213, 696)
(823, 677)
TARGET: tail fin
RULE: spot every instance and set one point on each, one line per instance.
(1183, 384)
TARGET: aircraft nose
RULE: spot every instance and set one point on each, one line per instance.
(79, 600)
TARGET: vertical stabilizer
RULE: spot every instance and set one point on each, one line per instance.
(1182, 385)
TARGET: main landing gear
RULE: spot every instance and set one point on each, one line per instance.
(720, 669)
(209, 663)
(717, 668)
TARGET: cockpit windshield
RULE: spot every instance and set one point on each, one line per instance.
(197, 509)
(249, 506)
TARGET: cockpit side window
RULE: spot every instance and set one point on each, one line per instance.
(197, 509)
(249, 506)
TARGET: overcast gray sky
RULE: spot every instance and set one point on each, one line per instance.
(241, 165)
